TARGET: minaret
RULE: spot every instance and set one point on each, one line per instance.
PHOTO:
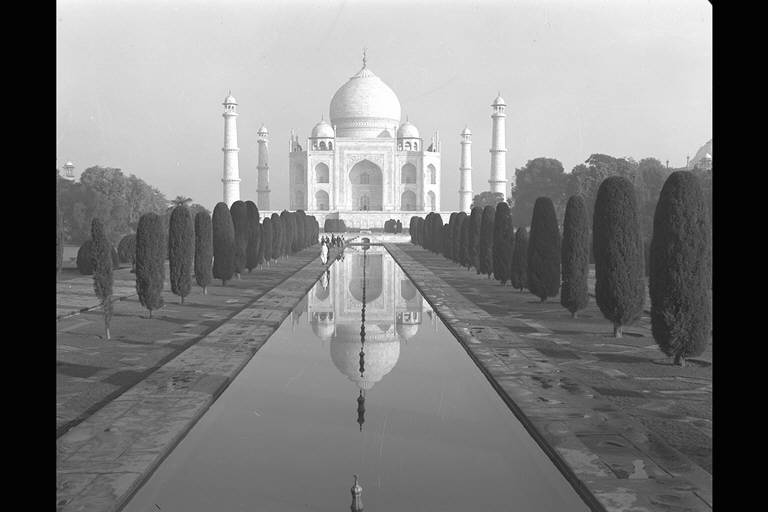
(231, 177)
(465, 168)
(498, 179)
(262, 192)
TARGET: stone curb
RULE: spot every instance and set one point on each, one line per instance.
(612, 462)
(102, 461)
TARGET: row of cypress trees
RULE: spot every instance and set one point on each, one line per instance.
(545, 263)
(393, 226)
(217, 247)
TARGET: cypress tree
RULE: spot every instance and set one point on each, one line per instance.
(181, 237)
(101, 261)
(260, 258)
(286, 234)
(680, 279)
(485, 246)
(464, 229)
(267, 237)
(254, 232)
(544, 250)
(299, 242)
(519, 269)
(126, 250)
(239, 213)
(223, 243)
(473, 242)
(448, 244)
(618, 249)
(113, 256)
(279, 235)
(446, 240)
(203, 250)
(84, 262)
(502, 242)
(456, 237)
(437, 233)
(150, 261)
(574, 294)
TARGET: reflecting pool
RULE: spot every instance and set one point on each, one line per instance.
(361, 379)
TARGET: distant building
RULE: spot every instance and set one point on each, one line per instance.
(702, 159)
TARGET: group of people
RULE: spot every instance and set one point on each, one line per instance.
(333, 241)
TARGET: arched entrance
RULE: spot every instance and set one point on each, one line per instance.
(408, 201)
(366, 186)
(321, 200)
(431, 200)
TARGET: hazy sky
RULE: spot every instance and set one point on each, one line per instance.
(140, 83)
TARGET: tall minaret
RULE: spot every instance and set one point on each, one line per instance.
(262, 192)
(498, 179)
(465, 168)
(231, 177)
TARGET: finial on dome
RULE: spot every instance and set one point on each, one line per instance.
(364, 55)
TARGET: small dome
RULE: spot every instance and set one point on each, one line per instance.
(263, 130)
(407, 331)
(323, 129)
(230, 100)
(466, 131)
(407, 130)
(69, 164)
(498, 101)
(323, 330)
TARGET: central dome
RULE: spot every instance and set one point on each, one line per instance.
(364, 106)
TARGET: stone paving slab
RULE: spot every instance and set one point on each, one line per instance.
(105, 458)
(610, 458)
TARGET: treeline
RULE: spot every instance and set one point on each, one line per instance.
(545, 263)
(200, 247)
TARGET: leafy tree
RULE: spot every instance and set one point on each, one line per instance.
(239, 213)
(680, 279)
(150, 261)
(126, 250)
(618, 250)
(585, 180)
(203, 250)
(84, 261)
(254, 233)
(485, 248)
(181, 238)
(502, 242)
(540, 177)
(279, 235)
(544, 250)
(574, 294)
(179, 201)
(223, 243)
(487, 198)
(518, 275)
(267, 238)
(101, 261)
(648, 181)
(473, 245)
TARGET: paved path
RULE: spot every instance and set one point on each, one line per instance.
(596, 404)
(105, 457)
(74, 294)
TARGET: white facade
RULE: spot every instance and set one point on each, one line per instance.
(465, 168)
(498, 181)
(364, 165)
(231, 179)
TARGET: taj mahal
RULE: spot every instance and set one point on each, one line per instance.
(363, 165)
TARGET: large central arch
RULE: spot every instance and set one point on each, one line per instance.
(366, 186)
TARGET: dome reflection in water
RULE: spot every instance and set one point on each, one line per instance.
(355, 383)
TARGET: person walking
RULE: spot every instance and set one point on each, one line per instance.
(324, 253)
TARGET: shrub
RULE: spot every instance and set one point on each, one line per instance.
(485, 246)
(254, 233)
(150, 261)
(574, 294)
(680, 276)
(181, 236)
(101, 261)
(519, 269)
(618, 249)
(503, 237)
(473, 242)
(84, 263)
(203, 250)
(239, 213)
(223, 243)
(544, 250)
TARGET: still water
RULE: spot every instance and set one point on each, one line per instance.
(406, 410)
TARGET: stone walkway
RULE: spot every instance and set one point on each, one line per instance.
(612, 414)
(102, 459)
